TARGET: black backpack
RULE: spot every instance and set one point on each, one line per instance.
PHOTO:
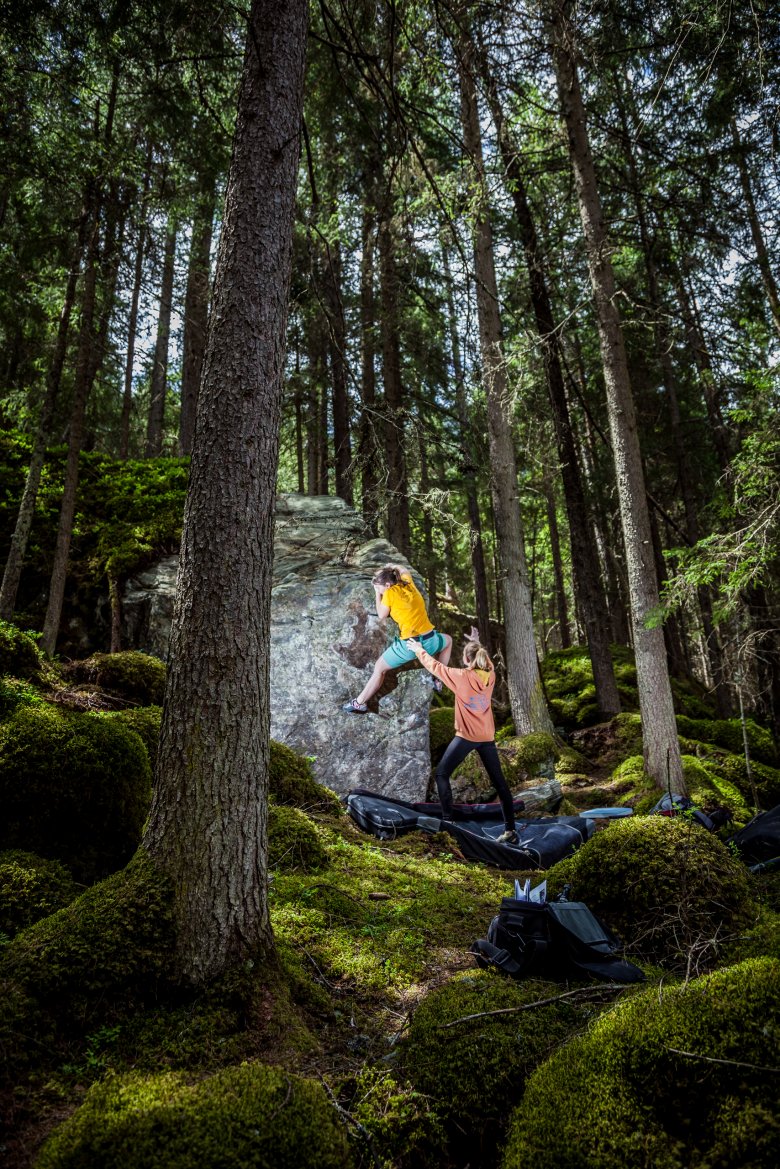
(555, 939)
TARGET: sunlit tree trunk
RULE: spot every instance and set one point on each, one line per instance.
(526, 696)
(661, 745)
(207, 828)
(159, 382)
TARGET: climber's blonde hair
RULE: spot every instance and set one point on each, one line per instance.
(475, 656)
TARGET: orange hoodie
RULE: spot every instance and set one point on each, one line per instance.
(473, 691)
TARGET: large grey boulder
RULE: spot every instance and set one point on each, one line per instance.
(325, 638)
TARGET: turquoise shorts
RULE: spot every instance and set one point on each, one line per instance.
(398, 652)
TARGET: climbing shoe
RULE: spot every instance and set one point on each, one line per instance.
(355, 707)
(508, 837)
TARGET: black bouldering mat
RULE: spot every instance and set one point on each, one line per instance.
(758, 843)
(475, 827)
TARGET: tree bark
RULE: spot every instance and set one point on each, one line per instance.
(196, 315)
(207, 828)
(584, 561)
(707, 379)
(661, 745)
(159, 381)
(476, 546)
(14, 563)
(132, 322)
(368, 447)
(397, 487)
(526, 696)
(342, 447)
(561, 603)
(759, 243)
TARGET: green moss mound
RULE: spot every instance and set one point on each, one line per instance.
(293, 842)
(75, 787)
(728, 733)
(291, 782)
(672, 892)
(19, 655)
(145, 721)
(249, 1117)
(31, 888)
(526, 757)
(568, 683)
(66, 974)
(624, 1097)
(442, 730)
(477, 1069)
(404, 1127)
(133, 676)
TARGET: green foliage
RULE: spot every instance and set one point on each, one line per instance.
(75, 787)
(527, 756)
(31, 888)
(291, 782)
(134, 676)
(247, 1117)
(14, 692)
(477, 1068)
(78, 968)
(442, 725)
(673, 892)
(568, 683)
(626, 1096)
(293, 841)
(19, 655)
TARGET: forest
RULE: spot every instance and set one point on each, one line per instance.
(492, 289)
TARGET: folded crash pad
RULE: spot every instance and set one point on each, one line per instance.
(475, 827)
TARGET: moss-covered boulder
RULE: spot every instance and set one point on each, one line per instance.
(130, 675)
(74, 787)
(19, 655)
(672, 892)
(568, 683)
(109, 949)
(31, 888)
(248, 1117)
(145, 721)
(525, 757)
(442, 724)
(474, 1070)
(291, 782)
(727, 733)
(293, 842)
(675, 1080)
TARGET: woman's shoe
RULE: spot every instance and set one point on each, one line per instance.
(508, 837)
(355, 707)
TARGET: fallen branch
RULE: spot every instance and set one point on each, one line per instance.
(734, 1063)
(587, 990)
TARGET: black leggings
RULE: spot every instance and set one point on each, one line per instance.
(454, 755)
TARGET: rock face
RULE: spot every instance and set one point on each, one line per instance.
(325, 638)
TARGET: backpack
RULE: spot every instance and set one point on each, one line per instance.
(557, 939)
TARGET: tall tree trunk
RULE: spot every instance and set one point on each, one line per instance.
(159, 382)
(526, 696)
(342, 447)
(759, 243)
(584, 561)
(132, 322)
(476, 547)
(397, 489)
(661, 745)
(196, 314)
(430, 565)
(18, 549)
(207, 827)
(81, 388)
(707, 378)
(323, 447)
(368, 447)
(561, 604)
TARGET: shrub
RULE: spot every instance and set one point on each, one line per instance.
(627, 1096)
(134, 676)
(31, 888)
(19, 655)
(672, 891)
(111, 947)
(478, 1069)
(293, 842)
(291, 782)
(247, 1117)
(73, 786)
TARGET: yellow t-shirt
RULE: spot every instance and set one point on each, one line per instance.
(407, 608)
